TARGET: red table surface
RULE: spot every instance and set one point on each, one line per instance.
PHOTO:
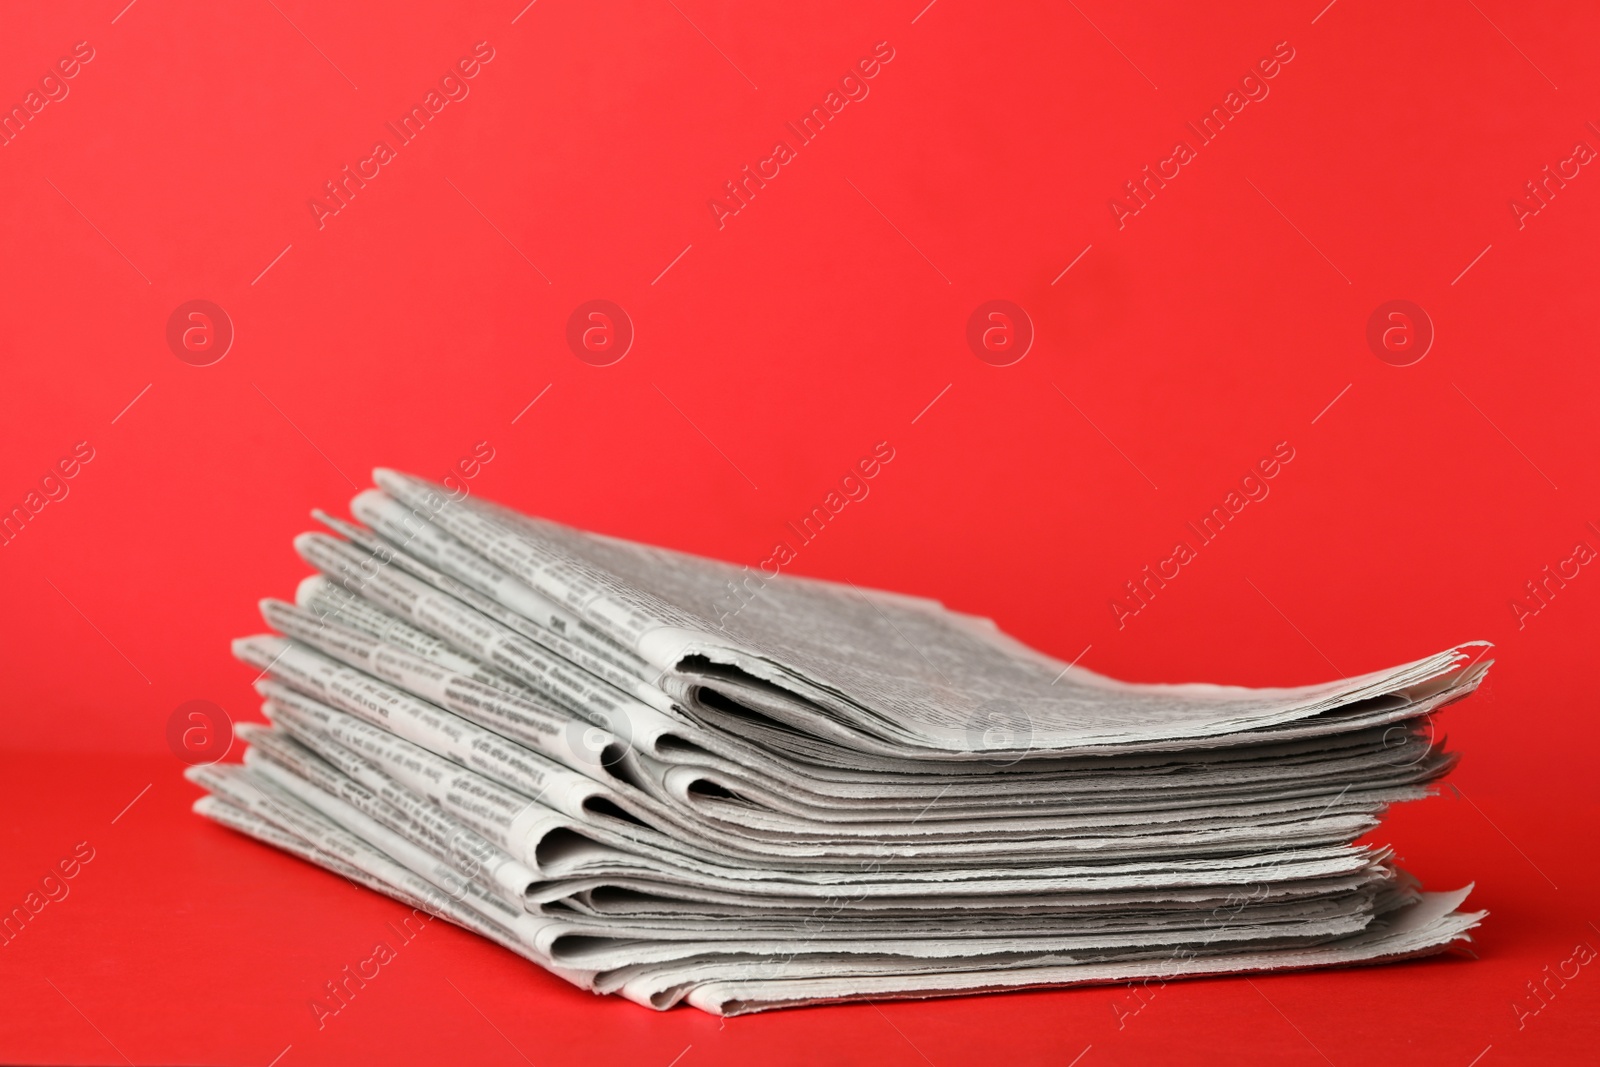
(1436, 153)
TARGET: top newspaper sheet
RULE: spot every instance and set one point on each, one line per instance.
(877, 671)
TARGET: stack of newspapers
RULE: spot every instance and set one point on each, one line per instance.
(681, 780)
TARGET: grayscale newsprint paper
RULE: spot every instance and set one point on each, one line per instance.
(673, 779)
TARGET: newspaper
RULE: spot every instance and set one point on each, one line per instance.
(878, 665)
(679, 781)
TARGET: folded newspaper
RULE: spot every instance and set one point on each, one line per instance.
(667, 777)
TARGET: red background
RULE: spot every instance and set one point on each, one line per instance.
(825, 316)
